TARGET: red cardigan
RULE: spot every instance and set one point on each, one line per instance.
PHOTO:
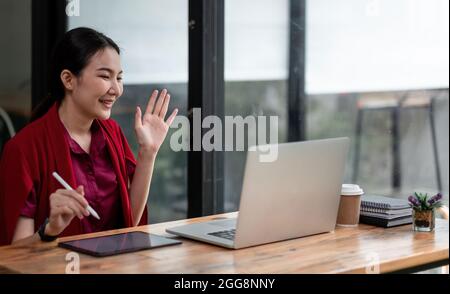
(31, 156)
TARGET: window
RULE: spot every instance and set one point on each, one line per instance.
(256, 73)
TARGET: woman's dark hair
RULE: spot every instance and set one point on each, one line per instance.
(73, 53)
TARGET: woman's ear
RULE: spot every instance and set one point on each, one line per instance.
(68, 79)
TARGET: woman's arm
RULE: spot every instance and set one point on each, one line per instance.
(140, 186)
(151, 130)
(24, 232)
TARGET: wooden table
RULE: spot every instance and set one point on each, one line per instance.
(346, 250)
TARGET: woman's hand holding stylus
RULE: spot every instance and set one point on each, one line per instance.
(64, 206)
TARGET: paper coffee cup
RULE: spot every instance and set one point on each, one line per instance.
(349, 206)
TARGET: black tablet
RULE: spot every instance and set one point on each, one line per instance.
(119, 243)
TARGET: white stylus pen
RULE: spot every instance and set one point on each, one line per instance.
(67, 186)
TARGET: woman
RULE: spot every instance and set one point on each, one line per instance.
(72, 133)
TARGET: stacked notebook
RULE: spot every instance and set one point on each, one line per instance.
(385, 211)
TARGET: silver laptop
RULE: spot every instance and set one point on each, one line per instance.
(294, 196)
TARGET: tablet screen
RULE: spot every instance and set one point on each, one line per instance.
(119, 243)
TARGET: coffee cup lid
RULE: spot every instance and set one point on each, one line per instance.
(351, 190)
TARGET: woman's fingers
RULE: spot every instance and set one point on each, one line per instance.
(75, 201)
(160, 102)
(74, 211)
(76, 196)
(138, 118)
(165, 106)
(169, 121)
(151, 102)
(63, 210)
(80, 190)
(68, 209)
(77, 208)
(156, 105)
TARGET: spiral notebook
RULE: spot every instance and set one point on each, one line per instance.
(383, 203)
(387, 215)
(367, 210)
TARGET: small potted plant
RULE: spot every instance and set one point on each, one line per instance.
(424, 210)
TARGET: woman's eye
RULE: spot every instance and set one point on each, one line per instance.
(105, 77)
(119, 78)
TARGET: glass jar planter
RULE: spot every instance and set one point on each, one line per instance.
(423, 220)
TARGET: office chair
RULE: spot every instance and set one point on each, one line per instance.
(395, 105)
(7, 125)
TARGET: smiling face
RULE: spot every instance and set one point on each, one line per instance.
(98, 86)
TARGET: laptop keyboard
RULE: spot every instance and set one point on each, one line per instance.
(228, 234)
